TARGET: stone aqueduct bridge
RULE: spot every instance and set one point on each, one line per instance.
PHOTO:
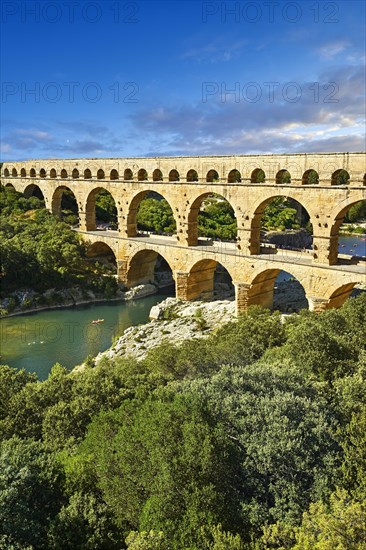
(185, 182)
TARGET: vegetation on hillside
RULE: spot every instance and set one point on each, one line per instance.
(39, 251)
(250, 439)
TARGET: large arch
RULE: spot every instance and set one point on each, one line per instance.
(334, 231)
(33, 190)
(91, 210)
(193, 230)
(340, 295)
(143, 268)
(132, 229)
(291, 295)
(103, 253)
(203, 278)
(256, 223)
(9, 187)
(57, 200)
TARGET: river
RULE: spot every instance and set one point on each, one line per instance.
(36, 341)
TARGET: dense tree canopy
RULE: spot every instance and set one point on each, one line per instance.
(241, 441)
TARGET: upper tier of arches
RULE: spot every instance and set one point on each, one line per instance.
(255, 176)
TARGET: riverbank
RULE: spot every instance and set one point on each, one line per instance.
(52, 299)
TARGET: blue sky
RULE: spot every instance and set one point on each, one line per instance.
(148, 78)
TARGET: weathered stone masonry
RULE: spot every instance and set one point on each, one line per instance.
(185, 182)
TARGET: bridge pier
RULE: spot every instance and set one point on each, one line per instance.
(317, 304)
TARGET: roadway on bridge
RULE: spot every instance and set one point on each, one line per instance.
(226, 248)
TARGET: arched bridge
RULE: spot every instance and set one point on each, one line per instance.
(313, 180)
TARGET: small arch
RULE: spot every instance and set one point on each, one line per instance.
(283, 177)
(14, 172)
(100, 174)
(53, 173)
(33, 190)
(258, 176)
(364, 179)
(101, 210)
(42, 173)
(173, 175)
(272, 288)
(64, 205)
(128, 175)
(75, 174)
(147, 266)
(203, 224)
(340, 177)
(114, 175)
(23, 173)
(32, 173)
(142, 175)
(6, 172)
(157, 175)
(212, 176)
(310, 177)
(87, 174)
(192, 176)
(234, 176)
(64, 174)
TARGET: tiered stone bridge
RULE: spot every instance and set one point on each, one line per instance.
(185, 182)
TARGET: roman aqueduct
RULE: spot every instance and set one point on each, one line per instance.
(185, 182)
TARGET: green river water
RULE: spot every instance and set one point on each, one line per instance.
(36, 341)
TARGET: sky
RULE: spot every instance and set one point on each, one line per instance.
(109, 78)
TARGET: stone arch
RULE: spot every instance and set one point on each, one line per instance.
(32, 173)
(173, 175)
(100, 174)
(192, 175)
(193, 213)
(338, 219)
(9, 187)
(211, 176)
(201, 279)
(75, 174)
(128, 175)
(340, 295)
(142, 268)
(23, 173)
(255, 230)
(340, 177)
(56, 201)
(234, 176)
(262, 289)
(310, 177)
(258, 176)
(142, 175)
(33, 190)
(364, 179)
(87, 174)
(114, 175)
(132, 230)
(42, 173)
(90, 208)
(6, 172)
(283, 177)
(14, 173)
(53, 173)
(157, 175)
(103, 253)
(64, 174)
